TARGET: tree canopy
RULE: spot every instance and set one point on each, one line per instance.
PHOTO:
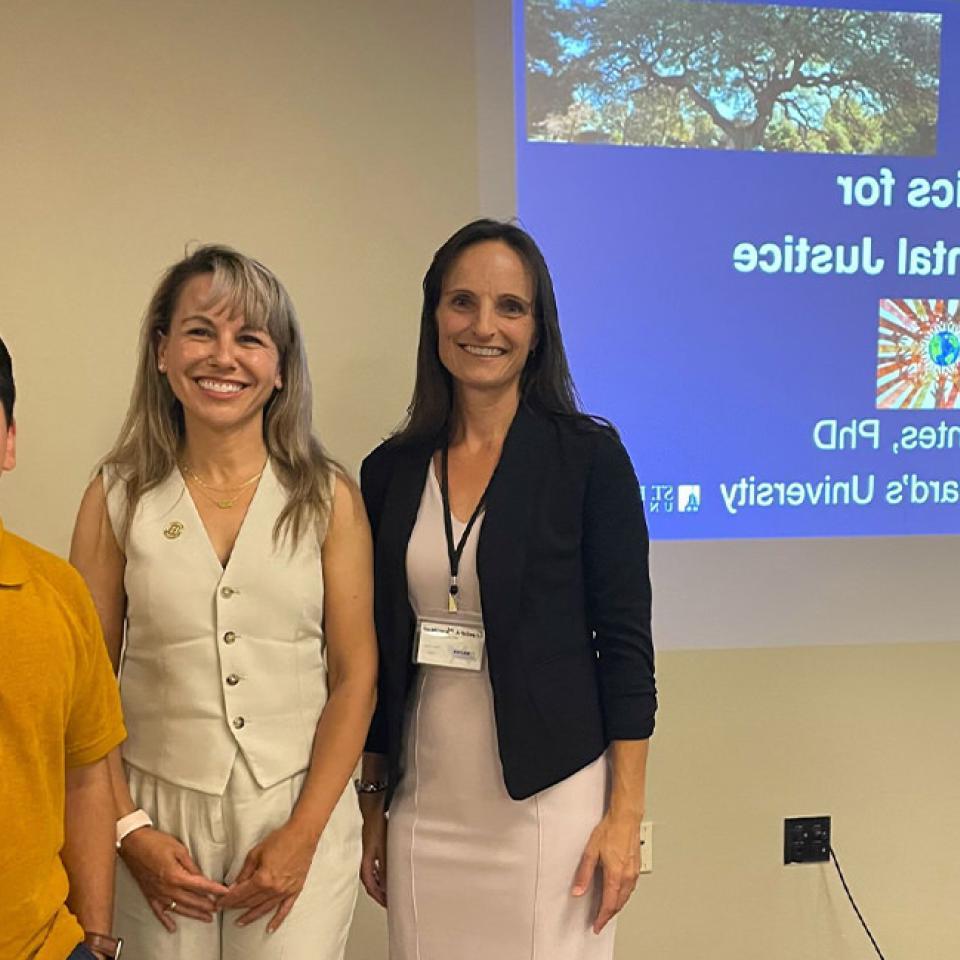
(737, 76)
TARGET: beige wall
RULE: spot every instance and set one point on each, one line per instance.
(337, 142)
(334, 141)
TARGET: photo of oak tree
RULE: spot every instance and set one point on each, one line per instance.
(684, 73)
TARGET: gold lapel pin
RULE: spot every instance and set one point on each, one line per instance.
(173, 529)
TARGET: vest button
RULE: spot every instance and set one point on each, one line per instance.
(227, 592)
(238, 723)
(232, 680)
(229, 637)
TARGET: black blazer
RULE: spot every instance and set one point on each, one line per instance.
(565, 590)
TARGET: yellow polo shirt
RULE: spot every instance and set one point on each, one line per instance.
(59, 708)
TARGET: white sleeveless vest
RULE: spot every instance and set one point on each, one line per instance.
(216, 659)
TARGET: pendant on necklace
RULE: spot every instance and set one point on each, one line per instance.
(225, 504)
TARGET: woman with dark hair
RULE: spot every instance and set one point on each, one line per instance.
(230, 561)
(516, 690)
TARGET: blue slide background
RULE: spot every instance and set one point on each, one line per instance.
(709, 374)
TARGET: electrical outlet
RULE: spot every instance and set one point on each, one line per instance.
(646, 846)
(806, 839)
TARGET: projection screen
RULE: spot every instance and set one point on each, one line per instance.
(752, 215)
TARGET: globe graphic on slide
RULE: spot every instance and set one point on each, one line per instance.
(944, 348)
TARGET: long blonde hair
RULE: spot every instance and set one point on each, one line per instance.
(147, 448)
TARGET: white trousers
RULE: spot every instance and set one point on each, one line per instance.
(219, 831)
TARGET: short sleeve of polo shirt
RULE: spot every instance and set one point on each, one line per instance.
(94, 724)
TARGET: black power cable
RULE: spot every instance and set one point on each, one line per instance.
(853, 903)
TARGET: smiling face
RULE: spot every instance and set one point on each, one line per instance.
(485, 322)
(221, 369)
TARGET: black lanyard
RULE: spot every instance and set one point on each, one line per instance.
(455, 552)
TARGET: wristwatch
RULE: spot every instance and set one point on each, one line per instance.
(132, 821)
(103, 946)
(369, 786)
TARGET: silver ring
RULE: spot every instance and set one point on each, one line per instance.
(170, 907)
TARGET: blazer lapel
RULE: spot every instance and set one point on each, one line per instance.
(502, 548)
(398, 515)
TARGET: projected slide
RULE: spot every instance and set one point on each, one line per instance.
(752, 212)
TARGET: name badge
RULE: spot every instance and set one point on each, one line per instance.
(450, 641)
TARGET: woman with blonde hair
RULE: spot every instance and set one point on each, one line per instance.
(230, 562)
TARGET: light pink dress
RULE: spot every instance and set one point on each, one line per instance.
(471, 873)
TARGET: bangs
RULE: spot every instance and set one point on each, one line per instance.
(253, 293)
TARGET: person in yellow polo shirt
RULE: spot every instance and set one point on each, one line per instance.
(59, 718)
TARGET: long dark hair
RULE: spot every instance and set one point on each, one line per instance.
(545, 384)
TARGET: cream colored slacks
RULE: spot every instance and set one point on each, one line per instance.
(219, 831)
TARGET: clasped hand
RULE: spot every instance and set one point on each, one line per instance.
(614, 846)
(271, 878)
(169, 878)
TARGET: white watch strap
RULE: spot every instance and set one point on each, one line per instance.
(132, 821)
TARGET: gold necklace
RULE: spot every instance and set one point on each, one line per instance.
(224, 503)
